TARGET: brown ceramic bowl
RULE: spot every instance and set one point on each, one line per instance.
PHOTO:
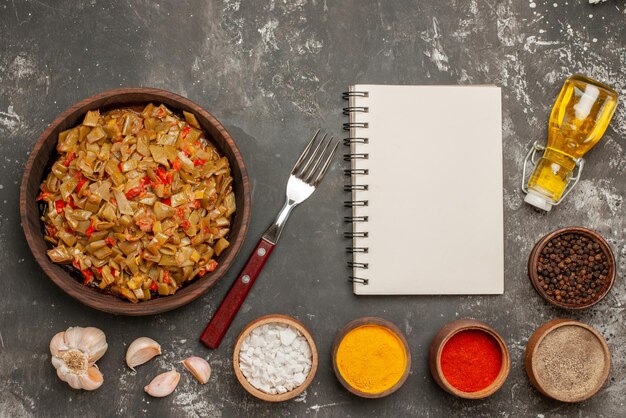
(370, 320)
(44, 153)
(531, 349)
(269, 319)
(533, 261)
(440, 340)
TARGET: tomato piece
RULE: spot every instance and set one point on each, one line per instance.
(59, 205)
(167, 201)
(135, 191)
(162, 174)
(145, 223)
(90, 230)
(80, 184)
(198, 162)
(70, 157)
(186, 131)
(52, 231)
(71, 202)
(88, 276)
(43, 196)
(153, 287)
(110, 241)
(212, 265)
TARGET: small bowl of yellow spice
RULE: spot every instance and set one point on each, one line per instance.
(371, 357)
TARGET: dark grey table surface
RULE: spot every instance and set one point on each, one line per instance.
(272, 72)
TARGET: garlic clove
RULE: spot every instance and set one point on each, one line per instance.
(57, 345)
(97, 354)
(141, 350)
(91, 380)
(163, 384)
(58, 363)
(73, 337)
(70, 378)
(93, 343)
(199, 368)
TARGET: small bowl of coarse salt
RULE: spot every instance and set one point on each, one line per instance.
(275, 358)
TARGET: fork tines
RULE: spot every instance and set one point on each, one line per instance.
(307, 168)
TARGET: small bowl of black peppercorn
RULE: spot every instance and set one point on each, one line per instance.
(572, 268)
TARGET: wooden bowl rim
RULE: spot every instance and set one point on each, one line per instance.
(453, 328)
(371, 320)
(533, 260)
(538, 336)
(269, 319)
(111, 303)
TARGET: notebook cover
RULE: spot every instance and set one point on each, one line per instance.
(435, 196)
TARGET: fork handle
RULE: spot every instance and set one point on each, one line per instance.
(220, 322)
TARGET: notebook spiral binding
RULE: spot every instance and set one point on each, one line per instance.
(347, 94)
(349, 188)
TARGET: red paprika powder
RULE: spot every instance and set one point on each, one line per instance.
(471, 360)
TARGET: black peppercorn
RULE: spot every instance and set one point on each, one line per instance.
(573, 269)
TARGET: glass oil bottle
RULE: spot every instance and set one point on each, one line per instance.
(578, 120)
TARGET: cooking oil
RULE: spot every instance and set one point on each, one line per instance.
(578, 120)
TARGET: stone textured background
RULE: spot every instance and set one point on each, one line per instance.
(272, 72)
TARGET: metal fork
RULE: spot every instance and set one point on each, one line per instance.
(305, 176)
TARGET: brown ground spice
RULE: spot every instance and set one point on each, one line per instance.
(569, 361)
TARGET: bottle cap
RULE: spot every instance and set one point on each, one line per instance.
(538, 201)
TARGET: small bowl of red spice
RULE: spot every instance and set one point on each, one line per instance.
(469, 359)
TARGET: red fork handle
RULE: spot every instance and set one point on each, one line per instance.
(218, 325)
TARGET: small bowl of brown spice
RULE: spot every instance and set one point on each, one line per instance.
(567, 360)
(572, 268)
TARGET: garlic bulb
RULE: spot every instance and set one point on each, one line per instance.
(141, 350)
(74, 354)
(199, 368)
(163, 384)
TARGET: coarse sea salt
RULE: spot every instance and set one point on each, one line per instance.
(275, 358)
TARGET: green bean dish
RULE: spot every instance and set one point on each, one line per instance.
(139, 202)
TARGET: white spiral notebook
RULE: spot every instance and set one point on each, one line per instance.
(426, 189)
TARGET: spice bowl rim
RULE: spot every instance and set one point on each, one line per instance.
(371, 320)
(533, 261)
(441, 339)
(269, 319)
(539, 335)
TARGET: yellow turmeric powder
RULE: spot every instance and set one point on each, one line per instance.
(371, 358)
